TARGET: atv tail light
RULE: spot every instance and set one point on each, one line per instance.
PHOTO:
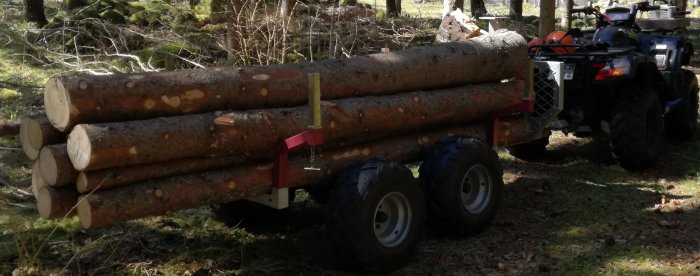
(661, 61)
(615, 68)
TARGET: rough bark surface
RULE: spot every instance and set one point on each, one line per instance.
(36, 132)
(56, 202)
(546, 17)
(55, 166)
(165, 195)
(122, 176)
(91, 99)
(9, 129)
(345, 121)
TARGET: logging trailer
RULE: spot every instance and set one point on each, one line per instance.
(377, 209)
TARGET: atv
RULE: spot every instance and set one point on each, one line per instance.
(623, 80)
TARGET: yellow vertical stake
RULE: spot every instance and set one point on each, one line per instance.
(314, 100)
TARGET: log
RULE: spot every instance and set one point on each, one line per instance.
(162, 196)
(55, 166)
(122, 176)
(346, 121)
(110, 98)
(56, 202)
(37, 180)
(9, 129)
(36, 132)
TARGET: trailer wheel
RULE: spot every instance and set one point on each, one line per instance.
(681, 123)
(636, 128)
(376, 215)
(462, 180)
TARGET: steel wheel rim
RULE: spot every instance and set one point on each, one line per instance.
(476, 189)
(392, 219)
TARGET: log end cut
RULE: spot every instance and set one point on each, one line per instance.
(37, 180)
(55, 202)
(85, 213)
(57, 104)
(79, 148)
(30, 137)
(47, 163)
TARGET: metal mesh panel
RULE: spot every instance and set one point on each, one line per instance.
(547, 96)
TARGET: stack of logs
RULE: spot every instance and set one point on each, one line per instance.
(118, 147)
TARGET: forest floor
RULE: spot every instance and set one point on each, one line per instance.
(572, 211)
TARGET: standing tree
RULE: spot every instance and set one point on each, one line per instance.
(566, 19)
(34, 12)
(286, 7)
(450, 5)
(478, 8)
(516, 9)
(546, 17)
(393, 8)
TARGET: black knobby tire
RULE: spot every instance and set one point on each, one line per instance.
(532, 149)
(365, 216)
(681, 122)
(636, 129)
(452, 172)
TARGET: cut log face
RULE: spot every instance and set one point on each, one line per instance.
(56, 202)
(37, 180)
(35, 133)
(55, 166)
(346, 121)
(117, 177)
(74, 100)
(165, 195)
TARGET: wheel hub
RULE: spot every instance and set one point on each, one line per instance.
(476, 189)
(392, 219)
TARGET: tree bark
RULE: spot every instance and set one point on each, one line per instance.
(122, 176)
(36, 132)
(55, 166)
(286, 8)
(34, 12)
(345, 121)
(546, 17)
(112, 98)
(163, 196)
(56, 202)
(478, 8)
(393, 8)
(9, 129)
(566, 19)
(516, 9)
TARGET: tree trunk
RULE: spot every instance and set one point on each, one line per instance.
(393, 8)
(111, 98)
(286, 8)
(516, 9)
(165, 195)
(55, 166)
(34, 12)
(56, 202)
(478, 8)
(9, 129)
(36, 132)
(566, 19)
(345, 121)
(450, 5)
(122, 176)
(546, 17)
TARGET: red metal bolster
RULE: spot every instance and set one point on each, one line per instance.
(311, 136)
(526, 106)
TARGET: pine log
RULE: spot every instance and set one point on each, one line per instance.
(37, 180)
(122, 176)
(9, 129)
(55, 166)
(56, 202)
(110, 98)
(36, 132)
(165, 195)
(346, 121)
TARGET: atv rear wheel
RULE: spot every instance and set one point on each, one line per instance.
(636, 128)
(682, 121)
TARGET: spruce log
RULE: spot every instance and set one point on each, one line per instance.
(165, 195)
(55, 166)
(37, 179)
(36, 132)
(56, 202)
(110, 98)
(9, 129)
(122, 176)
(346, 121)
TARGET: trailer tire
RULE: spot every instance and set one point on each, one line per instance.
(681, 122)
(376, 215)
(451, 204)
(636, 128)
